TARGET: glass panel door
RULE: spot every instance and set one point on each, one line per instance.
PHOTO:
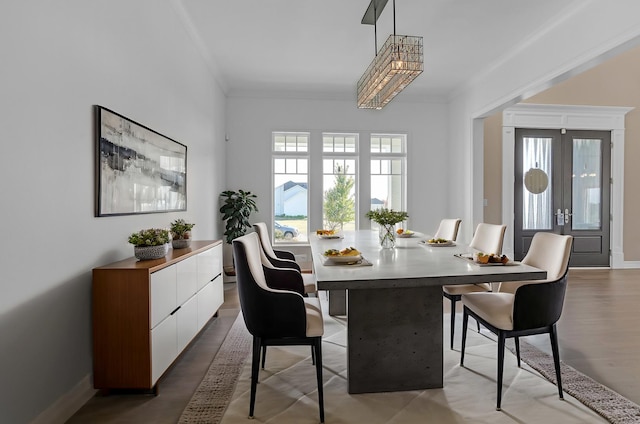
(587, 184)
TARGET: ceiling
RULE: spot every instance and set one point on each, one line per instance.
(305, 48)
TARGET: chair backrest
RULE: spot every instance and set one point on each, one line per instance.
(265, 240)
(488, 238)
(448, 229)
(267, 312)
(538, 305)
(547, 251)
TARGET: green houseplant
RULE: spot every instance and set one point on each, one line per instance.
(236, 209)
(180, 233)
(152, 243)
(387, 219)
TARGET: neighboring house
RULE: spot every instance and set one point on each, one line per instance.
(291, 199)
(376, 204)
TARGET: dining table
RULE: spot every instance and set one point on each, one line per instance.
(392, 298)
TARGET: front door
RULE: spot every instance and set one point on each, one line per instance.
(562, 185)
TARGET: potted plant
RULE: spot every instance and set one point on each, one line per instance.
(152, 243)
(180, 233)
(237, 207)
(387, 219)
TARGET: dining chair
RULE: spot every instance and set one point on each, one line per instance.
(488, 238)
(283, 258)
(274, 317)
(525, 308)
(448, 229)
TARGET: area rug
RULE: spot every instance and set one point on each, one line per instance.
(287, 390)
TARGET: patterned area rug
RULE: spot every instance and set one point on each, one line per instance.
(611, 405)
(210, 400)
(287, 394)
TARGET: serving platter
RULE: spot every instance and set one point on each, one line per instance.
(343, 258)
(448, 243)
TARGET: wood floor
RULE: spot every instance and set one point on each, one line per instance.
(599, 335)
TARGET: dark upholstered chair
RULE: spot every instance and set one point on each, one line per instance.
(282, 258)
(531, 308)
(274, 317)
(488, 238)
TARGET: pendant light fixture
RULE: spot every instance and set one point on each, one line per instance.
(399, 61)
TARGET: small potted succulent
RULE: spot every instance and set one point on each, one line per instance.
(180, 233)
(387, 219)
(152, 243)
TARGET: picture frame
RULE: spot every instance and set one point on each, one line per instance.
(138, 170)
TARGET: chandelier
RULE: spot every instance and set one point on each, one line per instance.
(399, 61)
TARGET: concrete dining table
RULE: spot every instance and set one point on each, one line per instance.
(393, 299)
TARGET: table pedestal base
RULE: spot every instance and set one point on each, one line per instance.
(394, 339)
(337, 302)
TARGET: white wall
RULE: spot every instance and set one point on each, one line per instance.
(591, 32)
(252, 120)
(59, 59)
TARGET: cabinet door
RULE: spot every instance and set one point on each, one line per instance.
(209, 265)
(163, 347)
(187, 271)
(163, 294)
(187, 317)
(210, 298)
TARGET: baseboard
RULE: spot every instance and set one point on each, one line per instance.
(631, 264)
(62, 409)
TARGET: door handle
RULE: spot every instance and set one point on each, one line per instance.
(566, 216)
(560, 219)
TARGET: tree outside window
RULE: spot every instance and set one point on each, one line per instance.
(339, 201)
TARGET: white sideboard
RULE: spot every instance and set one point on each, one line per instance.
(146, 312)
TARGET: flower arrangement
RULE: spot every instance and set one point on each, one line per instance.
(150, 237)
(384, 216)
(387, 219)
(180, 229)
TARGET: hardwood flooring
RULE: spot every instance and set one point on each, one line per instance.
(599, 335)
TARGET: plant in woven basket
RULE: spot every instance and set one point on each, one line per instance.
(181, 229)
(150, 237)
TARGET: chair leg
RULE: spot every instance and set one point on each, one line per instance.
(313, 356)
(478, 324)
(516, 340)
(453, 318)
(264, 355)
(465, 322)
(317, 347)
(553, 334)
(255, 366)
(501, 340)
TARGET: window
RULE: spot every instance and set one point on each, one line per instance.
(388, 171)
(339, 171)
(323, 171)
(291, 186)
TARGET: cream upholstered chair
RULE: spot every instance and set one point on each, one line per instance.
(525, 308)
(448, 229)
(274, 317)
(283, 258)
(488, 238)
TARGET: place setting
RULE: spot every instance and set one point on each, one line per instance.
(329, 234)
(349, 256)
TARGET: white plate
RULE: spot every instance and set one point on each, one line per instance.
(449, 243)
(343, 259)
(329, 236)
(405, 235)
